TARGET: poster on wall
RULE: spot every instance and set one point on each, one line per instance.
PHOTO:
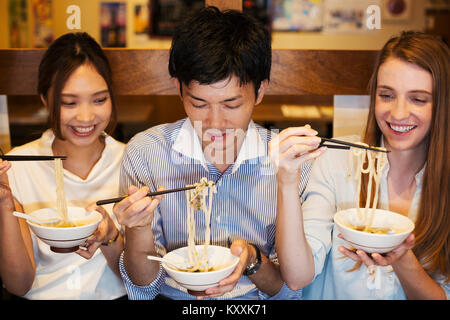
(166, 14)
(18, 24)
(42, 23)
(141, 25)
(297, 15)
(346, 16)
(113, 18)
(396, 10)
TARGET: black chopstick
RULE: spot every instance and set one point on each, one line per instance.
(334, 146)
(30, 158)
(345, 143)
(150, 194)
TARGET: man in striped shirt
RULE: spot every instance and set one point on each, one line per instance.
(220, 63)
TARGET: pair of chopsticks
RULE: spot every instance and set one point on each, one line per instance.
(30, 158)
(346, 145)
(338, 145)
(150, 194)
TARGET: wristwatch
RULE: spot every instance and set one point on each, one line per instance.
(111, 241)
(253, 267)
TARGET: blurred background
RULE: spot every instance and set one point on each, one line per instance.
(148, 24)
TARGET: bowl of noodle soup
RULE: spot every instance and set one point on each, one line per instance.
(386, 231)
(220, 261)
(65, 236)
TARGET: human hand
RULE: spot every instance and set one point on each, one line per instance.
(246, 254)
(137, 209)
(291, 149)
(379, 259)
(105, 231)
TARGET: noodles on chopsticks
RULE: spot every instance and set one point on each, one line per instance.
(61, 204)
(375, 162)
(196, 200)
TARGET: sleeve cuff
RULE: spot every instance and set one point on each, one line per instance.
(284, 294)
(135, 292)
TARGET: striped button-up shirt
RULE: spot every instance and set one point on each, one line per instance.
(244, 206)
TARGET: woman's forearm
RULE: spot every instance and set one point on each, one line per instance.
(17, 268)
(416, 283)
(294, 253)
(112, 253)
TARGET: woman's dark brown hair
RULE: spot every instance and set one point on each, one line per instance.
(61, 59)
(432, 241)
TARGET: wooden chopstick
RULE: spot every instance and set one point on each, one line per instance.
(355, 145)
(30, 158)
(150, 194)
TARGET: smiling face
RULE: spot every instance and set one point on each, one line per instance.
(403, 106)
(85, 107)
(220, 114)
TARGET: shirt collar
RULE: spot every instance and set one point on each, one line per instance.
(188, 144)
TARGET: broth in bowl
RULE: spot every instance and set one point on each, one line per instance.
(67, 224)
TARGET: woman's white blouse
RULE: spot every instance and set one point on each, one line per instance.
(67, 276)
(330, 190)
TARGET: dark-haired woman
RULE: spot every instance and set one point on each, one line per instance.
(75, 86)
(408, 115)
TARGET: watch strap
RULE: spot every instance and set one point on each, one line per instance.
(254, 267)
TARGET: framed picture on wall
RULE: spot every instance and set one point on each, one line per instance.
(42, 23)
(166, 14)
(297, 15)
(346, 16)
(396, 10)
(113, 22)
(18, 24)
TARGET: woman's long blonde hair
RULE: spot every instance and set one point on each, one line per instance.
(432, 244)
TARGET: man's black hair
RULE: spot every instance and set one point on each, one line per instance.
(212, 45)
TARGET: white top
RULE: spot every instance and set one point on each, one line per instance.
(328, 191)
(67, 275)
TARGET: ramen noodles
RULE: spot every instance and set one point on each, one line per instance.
(197, 200)
(376, 161)
(61, 204)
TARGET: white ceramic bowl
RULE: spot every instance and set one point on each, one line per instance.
(370, 242)
(199, 281)
(64, 240)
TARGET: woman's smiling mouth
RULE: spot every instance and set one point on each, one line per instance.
(83, 131)
(400, 129)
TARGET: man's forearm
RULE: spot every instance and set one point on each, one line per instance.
(139, 244)
(268, 278)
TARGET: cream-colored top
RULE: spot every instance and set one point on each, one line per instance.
(330, 190)
(67, 276)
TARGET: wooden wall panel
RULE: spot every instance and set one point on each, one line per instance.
(144, 72)
(225, 4)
